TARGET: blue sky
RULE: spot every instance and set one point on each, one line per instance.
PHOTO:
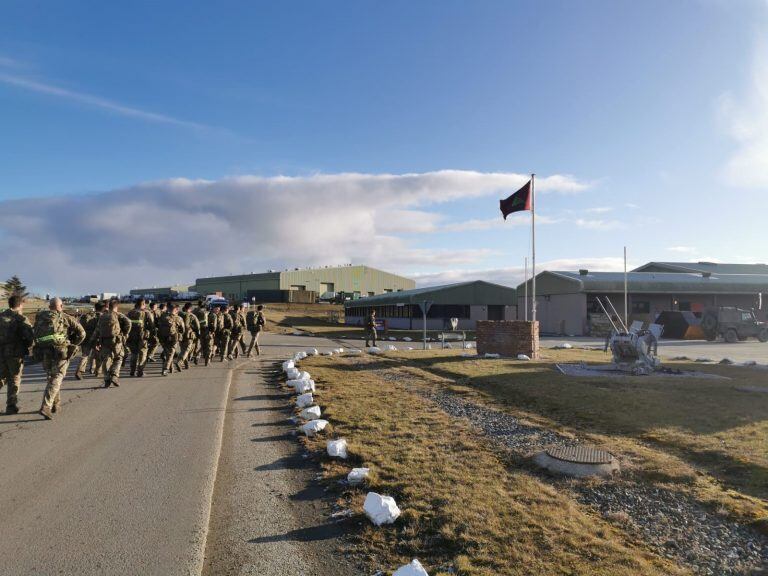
(655, 113)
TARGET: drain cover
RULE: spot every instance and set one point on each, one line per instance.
(580, 454)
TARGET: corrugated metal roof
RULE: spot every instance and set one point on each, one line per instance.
(713, 267)
(472, 292)
(667, 282)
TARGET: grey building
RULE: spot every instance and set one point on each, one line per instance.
(467, 301)
(305, 283)
(703, 268)
(567, 301)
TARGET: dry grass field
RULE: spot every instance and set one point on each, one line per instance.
(472, 506)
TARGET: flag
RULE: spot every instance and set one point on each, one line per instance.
(519, 201)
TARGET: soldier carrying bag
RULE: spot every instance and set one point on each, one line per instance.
(109, 327)
(167, 329)
(7, 329)
(138, 332)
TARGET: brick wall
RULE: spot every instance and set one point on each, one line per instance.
(508, 338)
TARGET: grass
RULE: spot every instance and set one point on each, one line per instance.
(702, 436)
(466, 506)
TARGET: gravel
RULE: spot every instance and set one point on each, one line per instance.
(672, 524)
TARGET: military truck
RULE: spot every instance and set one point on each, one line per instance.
(733, 324)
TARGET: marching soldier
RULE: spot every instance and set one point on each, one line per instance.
(170, 329)
(236, 343)
(255, 323)
(56, 333)
(225, 332)
(153, 342)
(214, 332)
(89, 361)
(190, 335)
(142, 326)
(111, 335)
(370, 328)
(16, 338)
(203, 345)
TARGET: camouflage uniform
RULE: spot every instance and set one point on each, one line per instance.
(55, 350)
(89, 358)
(16, 339)
(255, 322)
(212, 337)
(225, 333)
(203, 345)
(236, 342)
(370, 329)
(170, 331)
(189, 337)
(154, 341)
(142, 326)
(112, 345)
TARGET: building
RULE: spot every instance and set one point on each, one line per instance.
(467, 301)
(162, 292)
(567, 301)
(703, 268)
(304, 284)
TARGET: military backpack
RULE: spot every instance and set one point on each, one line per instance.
(50, 329)
(137, 318)
(109, 326)
(7, 327)
(167, 327)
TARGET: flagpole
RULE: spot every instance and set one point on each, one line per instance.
(533, 248)
(526, 288)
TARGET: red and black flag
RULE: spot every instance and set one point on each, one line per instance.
(519, 201)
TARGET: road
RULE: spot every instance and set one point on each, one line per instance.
(122, 481)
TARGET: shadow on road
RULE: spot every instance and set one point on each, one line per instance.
(313, 534)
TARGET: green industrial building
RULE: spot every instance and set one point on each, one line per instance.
(467, 301)
(160, 292)
(304, 284)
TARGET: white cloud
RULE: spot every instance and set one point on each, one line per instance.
(163, 232)
(746, 121)
(94, 101)
(598, 224)
(599, 210)
(682, 249)
(514, 276)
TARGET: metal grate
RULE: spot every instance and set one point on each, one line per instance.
(580, 454)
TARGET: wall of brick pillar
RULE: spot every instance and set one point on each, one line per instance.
(508, 338)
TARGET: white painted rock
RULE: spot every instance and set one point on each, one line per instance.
(328, 353)
(287, 365)
(305, 376)
(314, 427)
(313, 352)
(337, 448)
(407, 339)
(311, 413)
(750, 363)
(305, 400)
(381, 509)
(303, 386)
(392, 339)
(339, 350)
(448, 345)
(523, 357)
(489, 355)
(409, 347)
(373, 350)
(358, 476)
(391, 348)
(563, 346)
(413, 569)
(292, 374)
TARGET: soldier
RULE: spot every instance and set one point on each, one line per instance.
(89, 360)
(255, 322)
(170, 329)
(162, 308)
(204, 343)
(225, 332)
(190, 336)
(152, 342)
(236, 343)
(214, 332)
(55, 334)
(370, 328)
(142, 326)
(16, 338)
(111, 335)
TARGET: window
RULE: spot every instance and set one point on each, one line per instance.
(448, 311)
(641, 307)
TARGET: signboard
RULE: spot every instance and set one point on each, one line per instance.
(425, 306)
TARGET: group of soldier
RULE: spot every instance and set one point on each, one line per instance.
(105, 336)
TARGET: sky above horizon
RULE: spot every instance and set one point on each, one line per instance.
(150, 143)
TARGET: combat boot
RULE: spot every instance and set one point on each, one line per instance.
(186, 364)
(11, 409)
(107, 383)
(46, 413)
(56, 408)
(207, 361)
(78, 375)
(140, 373)
(195, 360)
(164, 372)
(177, 366)
(132, 373)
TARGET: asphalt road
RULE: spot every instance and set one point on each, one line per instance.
(122, 481)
